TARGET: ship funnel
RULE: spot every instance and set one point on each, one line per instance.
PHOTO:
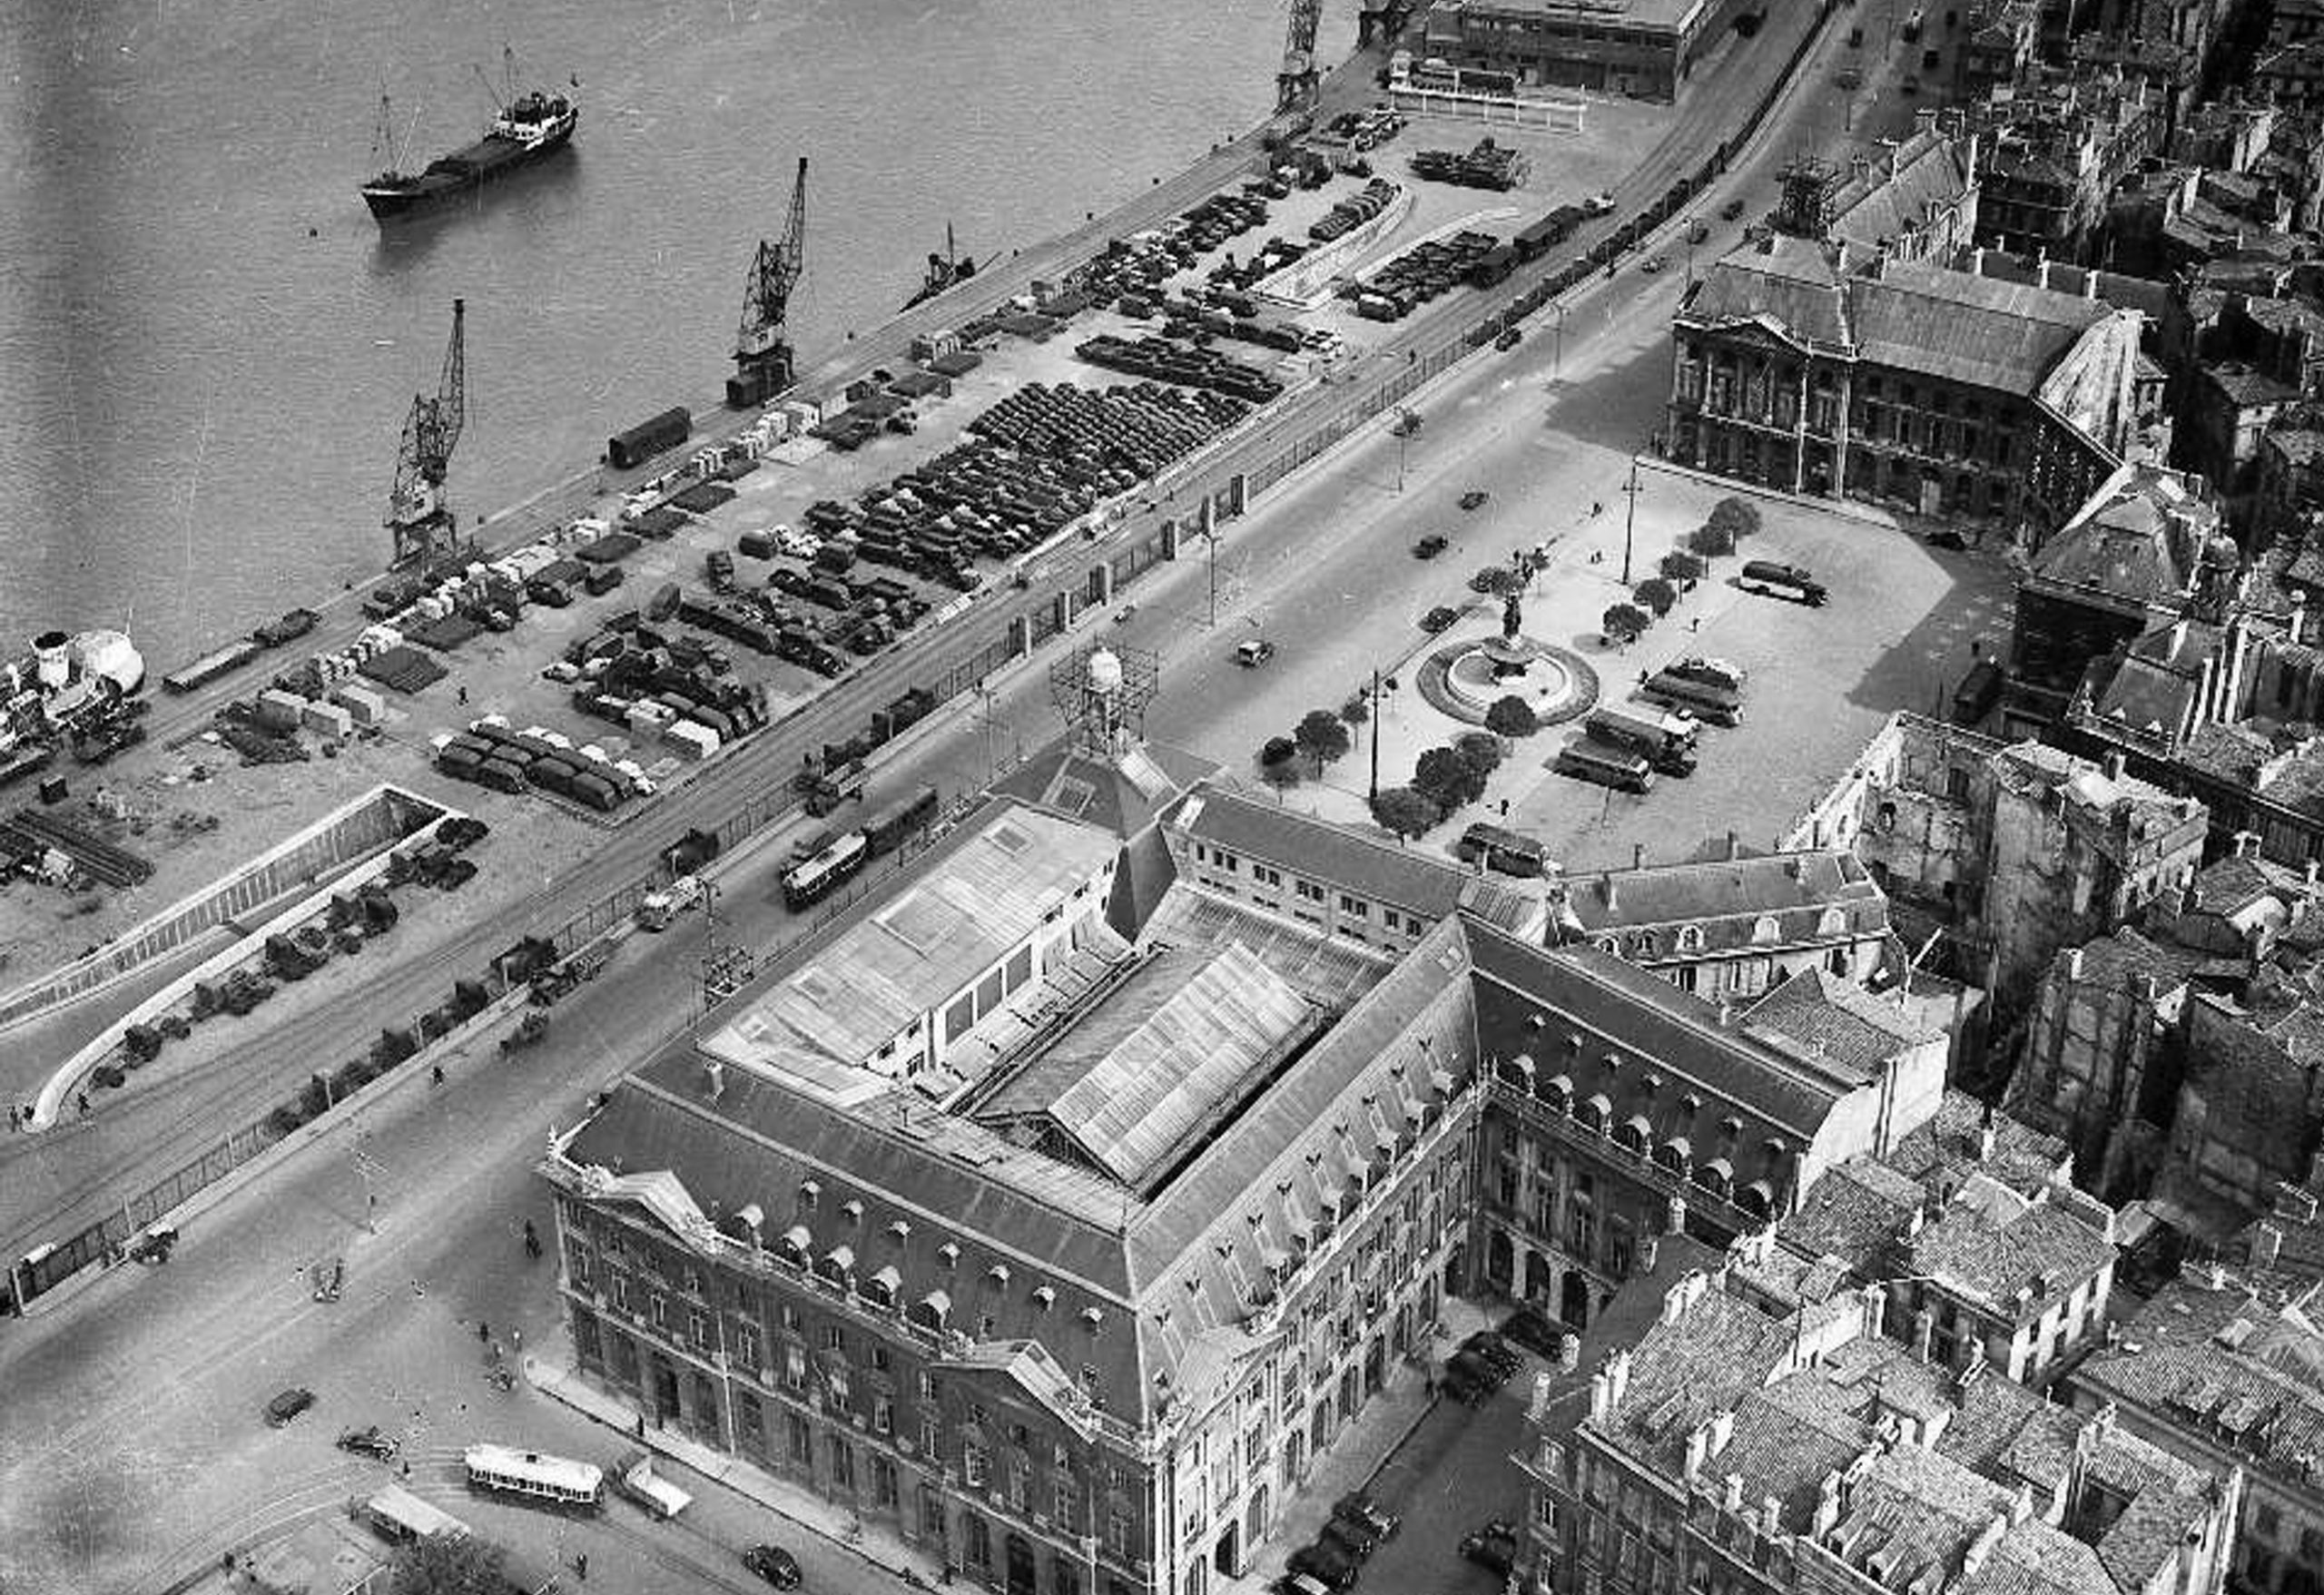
(51, 660)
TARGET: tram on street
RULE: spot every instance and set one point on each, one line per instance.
(537, 1478)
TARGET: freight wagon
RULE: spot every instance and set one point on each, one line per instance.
(642, 442)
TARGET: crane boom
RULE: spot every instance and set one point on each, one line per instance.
(422, 524)
(763, 355)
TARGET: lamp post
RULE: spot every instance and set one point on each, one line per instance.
(1629, 520)
(1556, 349)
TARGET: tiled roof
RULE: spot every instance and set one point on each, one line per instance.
(1841, 1019)
(2044, 1249)
(2264, 1396)
(1944, 1151)
(2247, 388)
(1858, 1212)
(2121, 541)
(2147, 697)
(1923, 177)
(1725, 899)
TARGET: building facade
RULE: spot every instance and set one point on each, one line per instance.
(1646, 50)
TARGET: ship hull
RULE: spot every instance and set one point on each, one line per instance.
(486, 162)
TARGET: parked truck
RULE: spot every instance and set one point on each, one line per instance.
(634, 1476)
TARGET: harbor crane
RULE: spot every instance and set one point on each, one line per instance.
(422, 524)
(763, 357)
(1296, 84)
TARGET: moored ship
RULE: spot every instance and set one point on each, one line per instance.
(531, 127)
(949, 269)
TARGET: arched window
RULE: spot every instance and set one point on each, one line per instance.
(1766, 928)
(1636, 1133)
(1715, 1176)
(1835, 922)
(1690, 939)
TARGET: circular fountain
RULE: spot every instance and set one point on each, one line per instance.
(1464, 679)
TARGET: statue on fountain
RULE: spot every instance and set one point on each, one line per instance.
(1512, 617)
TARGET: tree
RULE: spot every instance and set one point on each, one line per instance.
(1322, 737)
(1511, 716)
(1403, 812)
(1482, 749)
(1624, 623)
(1279, 762)
(445, 1564)
(1495, 579)
(1357, 710)
(1655, 596)
(1738, 517)
(1447, 778)
(1684, 567)
(1711, 541)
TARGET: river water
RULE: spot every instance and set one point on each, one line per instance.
(207, 348)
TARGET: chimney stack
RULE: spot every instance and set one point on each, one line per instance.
(1732, 1497)
(1637, 855)
(2267, 1244)
(2114, 764)
(717, 1073)
(1734, 845)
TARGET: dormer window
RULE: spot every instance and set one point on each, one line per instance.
(949, 1253)
(900, 1232)
(1690, 939)
(853, 1209)
(809, 1193)
(1044, 1296)
(998, 1277)
(1093, 1319)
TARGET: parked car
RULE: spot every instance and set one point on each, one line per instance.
(1731, 210)
(1698, 231)
(1710, 672)
(1600, 204)
(288, 1405)
(1325, 1563)
(1474, 499)
(1356, 1539)
(368, 1441)
(1439, 618)
(775, 1565)
(1510, 337)
(1535, 1332)
(1359, 1508)
(1430, 547)
(1492, 1546)
(1946, 537)
(1253, 654)
(1653, 264)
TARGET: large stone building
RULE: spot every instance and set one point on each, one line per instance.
(1646, 49)
(1740, 1450)
(1799, 365)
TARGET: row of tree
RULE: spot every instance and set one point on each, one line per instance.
(1731, 520)
(1443, 779)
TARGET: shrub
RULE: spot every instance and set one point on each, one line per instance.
(1624, 623)
(1655, 596)
(1511, 716)
(1405, 812)
(108, 1077)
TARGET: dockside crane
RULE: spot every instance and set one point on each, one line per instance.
(762, 358)
(1294, 86)
(423, 525)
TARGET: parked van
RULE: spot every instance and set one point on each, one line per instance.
(1666, 740)
(1508, 852)
(1616, 767)
(1718, 705)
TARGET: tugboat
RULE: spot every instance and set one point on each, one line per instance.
(530, 127)
(949, 269)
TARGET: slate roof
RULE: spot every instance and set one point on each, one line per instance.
(2121, 541)
(1321, 852)
(1858, 1212)
(1925, 176)
(1724, 900)
(1972, 329)
(1944, 1152)
(1788, 284)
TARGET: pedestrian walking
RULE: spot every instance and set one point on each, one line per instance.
(418, 1289)
(1696, 624)
(482, 1332)
(581, 1565)
(517, 1341)
(641, 1425)
(14, 1119)
(83, 1100)
(436, 1074)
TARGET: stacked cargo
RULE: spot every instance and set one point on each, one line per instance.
(1162, 360)
(1355, 211)
(1422, 273)
(1486, 166)
(1221, 217)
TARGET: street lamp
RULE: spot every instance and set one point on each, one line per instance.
(1557, 350)
(1630, 519)
(1379, 682)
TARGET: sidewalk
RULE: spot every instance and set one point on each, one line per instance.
(1359, 1452)
(835, 1523)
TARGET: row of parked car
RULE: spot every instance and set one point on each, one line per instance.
(1357, 1527)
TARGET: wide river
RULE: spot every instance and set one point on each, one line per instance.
(207, 347)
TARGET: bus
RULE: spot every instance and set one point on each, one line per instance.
(1781, 581)
(397, 1516)
(1666, 740)
(891, 826)
(1508, 852)
(810, 882)
(537, 1477)
(1716, 705)
(1615, 767)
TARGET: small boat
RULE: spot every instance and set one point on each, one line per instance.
(530, 127)
(949, 269)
